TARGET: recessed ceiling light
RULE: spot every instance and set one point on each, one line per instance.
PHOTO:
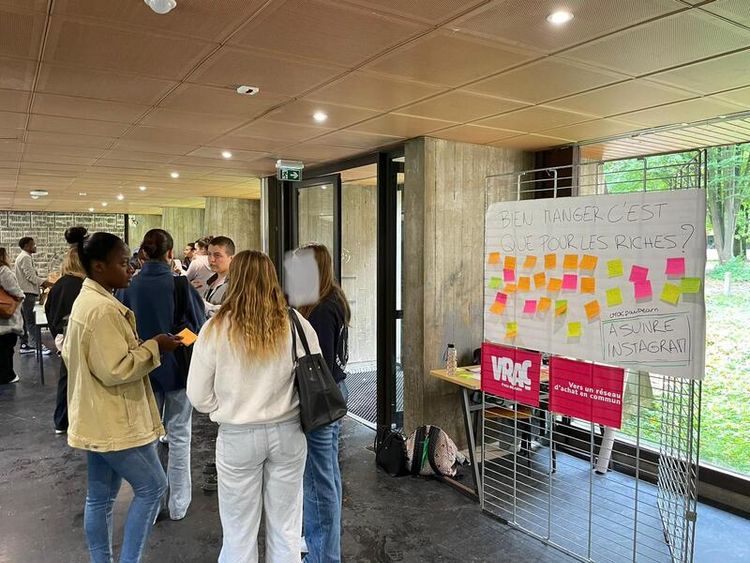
(684, 124)
(722, 117)
(226, 154)
(142, 188)
(82, 194)
(175, 175)
(560, 17)
(320, 116)
(120, 197)
(38, 193)
(104, 204)
(91, 209)
(35, 197)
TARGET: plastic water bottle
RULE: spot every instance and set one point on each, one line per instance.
(451, 360)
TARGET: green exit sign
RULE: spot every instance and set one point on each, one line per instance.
(290, 174)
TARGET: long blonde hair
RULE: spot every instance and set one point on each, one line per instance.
(328, 284)
(71, 265)
(254, 310)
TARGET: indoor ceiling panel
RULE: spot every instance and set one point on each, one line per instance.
(101, 85)
(535, 118)
(428, 11)
(237, 155)
(235, 142)
(17, 74)
(36, 159)
(544, 80)
(11, 120)
(594, 129)
(675, 40)
(524, 22)
(14, 100)
(315, 152)
(714, 75)
(460, 106)
(194, 18)
(327, 31)
(302, 111)
(290, 133)
(25, 5)
(740, 96)
(100, 47)
(209, 164)
(401, 125)
(20, 33)
(230, 67)
(86, 108)
(622, 97)
(220, 101)
(164, 135)
(449, 58)
(373, 92)
(734, 10)
(55, 124)
(474, 134)
(681, 112)
(531, 142)
(138, 156)
(358, 139)
(211, 124)
(136, 145)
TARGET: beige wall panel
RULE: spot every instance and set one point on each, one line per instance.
(184, 224)
(139, 225)
(238, 219)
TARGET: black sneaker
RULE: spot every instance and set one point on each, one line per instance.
(26, 349)
(210, 484)
(209, 468)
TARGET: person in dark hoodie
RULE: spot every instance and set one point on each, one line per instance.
(154, 296)
(329, 316)
(57, 308)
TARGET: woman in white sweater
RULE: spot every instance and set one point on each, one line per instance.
(241, 373)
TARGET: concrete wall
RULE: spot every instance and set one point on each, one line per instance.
(184, 224)
(443, 267)
(139, 225)
(239, 219)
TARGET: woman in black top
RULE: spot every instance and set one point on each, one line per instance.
(57, 307)
(322, 484)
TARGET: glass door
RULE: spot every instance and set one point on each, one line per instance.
(317, 212)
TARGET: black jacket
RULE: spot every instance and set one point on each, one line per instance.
(328, 321)
(60, 302)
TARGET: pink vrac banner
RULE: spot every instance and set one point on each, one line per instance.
(587, 391)
(511, 373)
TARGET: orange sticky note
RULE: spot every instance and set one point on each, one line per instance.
(540, 280)
(555, 284)
(510, 262)
(497, 308)
(529, 263)
(550, 261)
(494, 258)
(524, 283)
(588, 285)
(570, 262)
(543, 304)
(592, 309)
(589, 262)
(509, 288)
(188, 336)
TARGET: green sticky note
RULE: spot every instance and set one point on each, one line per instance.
(495, 283)
(561, 307)
(574, 330)
(614, 268)
(690, 285)
(614, 296)
(670, 294)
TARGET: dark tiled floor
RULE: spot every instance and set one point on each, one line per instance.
(42, 487)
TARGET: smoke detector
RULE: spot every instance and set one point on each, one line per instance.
(247, 90)
(161, 6)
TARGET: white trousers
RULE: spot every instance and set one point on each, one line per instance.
(260, 469)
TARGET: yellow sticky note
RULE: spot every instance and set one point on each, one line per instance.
(670, 294)
(589, 262)
(529, 263)
(550, 261)
(614, 297)
(510, 263)
(592, 309)
(574, 330)
(614, 268)
(524, 283)
(690, 285)
(497, 308)
(561, 307)
(494, 258)
(188, 336)
(570, 262)
(540, 280)
(588, 285)
(511, 329)
(543, 304)
(509, 288)
(555, 284)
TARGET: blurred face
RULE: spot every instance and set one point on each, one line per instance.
(31, 246)
(116, 271)
(218, 259)
(188, 252)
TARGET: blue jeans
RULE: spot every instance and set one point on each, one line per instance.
(141, 468)
(323, 493)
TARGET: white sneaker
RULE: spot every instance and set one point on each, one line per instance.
(16, 380)
(46, 351)
(26, 349)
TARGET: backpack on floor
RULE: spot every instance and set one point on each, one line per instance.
(390, 453)
(430, 451)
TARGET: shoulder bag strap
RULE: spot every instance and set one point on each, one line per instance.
(294, 335)
(301, 331)
(180, 299)
(416, 457)
(433, 439)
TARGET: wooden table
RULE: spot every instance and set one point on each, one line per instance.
(467, 382)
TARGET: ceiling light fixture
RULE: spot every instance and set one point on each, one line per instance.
(35, 197)
(142, 188)
(38, 193)
(226, 154)
(320, 116)
(104, 204)
(161, 6)
(247, 90)
(560, 17)
(82, 194)
(175, 175)
(120, 197)
(91, 209)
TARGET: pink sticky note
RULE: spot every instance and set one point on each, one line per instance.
(509, 275)
(675, 266)
(501, 298)
(570, 281)
(530, 306)
(643, 290)
(638, 274)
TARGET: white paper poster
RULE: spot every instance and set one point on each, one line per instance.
(616, 279)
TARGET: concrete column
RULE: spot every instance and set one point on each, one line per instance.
(238, 219)
(185, 224)
(139, 225)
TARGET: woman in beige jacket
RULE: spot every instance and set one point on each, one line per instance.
(111, 406)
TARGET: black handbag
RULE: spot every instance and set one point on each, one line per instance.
(390, 453)
(320, 399)
(182, 354)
